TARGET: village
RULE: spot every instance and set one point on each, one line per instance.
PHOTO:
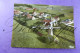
(45, 25)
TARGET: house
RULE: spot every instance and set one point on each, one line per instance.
(34, 9)
(35, 13)
(67, 21)
(41, 15)
(29, 16)
(55, 20)
(28, 9)
(16, 12)
(45, 15)
(47, 22)
(33, 18)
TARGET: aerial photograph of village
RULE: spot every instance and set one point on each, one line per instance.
(43, 26)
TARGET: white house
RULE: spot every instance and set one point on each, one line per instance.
(55, 20)
(68, 21)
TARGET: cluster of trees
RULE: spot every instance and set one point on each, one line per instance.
(26, 5)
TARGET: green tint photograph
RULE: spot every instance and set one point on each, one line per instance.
(43, 26)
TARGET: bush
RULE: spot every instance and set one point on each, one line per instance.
(46, 39)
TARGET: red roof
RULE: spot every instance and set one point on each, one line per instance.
(46, 20)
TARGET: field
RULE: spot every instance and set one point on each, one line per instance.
(26, 36)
